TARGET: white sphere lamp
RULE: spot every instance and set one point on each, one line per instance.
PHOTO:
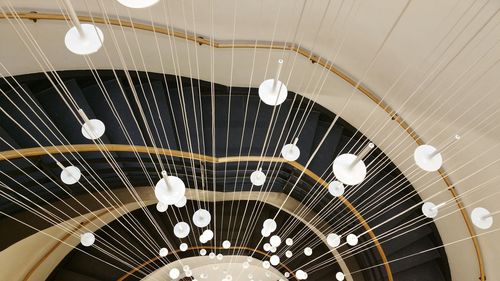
(163, 252)
(161, 207)
(289, 241)
(138, 4)
(272, 91)
(69, 175)
(274, 260)
(208, 234)
(349, 168)
(92, 129)
(308, 251)
(429, 158)
(169, 189)
(174, 273)
(84, 39)
(183, 247)
(181, 230)
(288, 254)
(202, 218)
(258, 178)
(352, 239)
(336, 188)
(226, 244)
(333, 240)
(264, 232)
(291, 151)
(275, 241)
(482, 218)
(270, 225)
(203, 252)
(340, 276)
(430, 210)
(181, 203)
(87, 239)
(301, 275)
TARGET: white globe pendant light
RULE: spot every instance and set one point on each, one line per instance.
(203, 252)
(181, 229)
(202, 218)
(288, 254)
(163, 252)
(482, 218)
(349, 168)
(340, 276)
(183, 247)
(352, 239)
(84, 39)
(211, 255)
(270, 225)
(138, 4)
(266, 264)
(431, 210)
(206, 236)
(274, 260)
(69, 175)
(291, 151)
(87, 239)
(336, 188)
(275, 241)
(161, 207)
(272, 91)
(308, 251)
(301, 275)
(174, 273)
(219, 256)
(258, 178)
(289, 241)
(181, 203)
(92, 129)
(169, 189)
(429, 158)
(267, 247)
(264, 232)
(333, 240)
(226, 244)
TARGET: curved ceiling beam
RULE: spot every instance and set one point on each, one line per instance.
(34, 16)
(79, 148)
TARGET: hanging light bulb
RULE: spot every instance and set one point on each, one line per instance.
(288, 254)
(336, 188)
(161, 207)
(352, 239)
(291, 151)
(349, 168)
(203, 252)
(339, 276)
(174, 273)
(274, 260)
(138, 4)
(264, 232)
(482, 218)
(258, 177)
(301, 275)
(275, 240)
(163, 252)
(82, 39)
(428, 158)
(183, 247)
(333, 240)
(270, 225)
(92, 129)
(181, 229)
(181, 203)
(267, 247)
(430, 210)
(69, 175)
(289, 241)
(87, 239)
(226, 244)
(169, 189)
(202, 218)
(272, 91)
(308, 251)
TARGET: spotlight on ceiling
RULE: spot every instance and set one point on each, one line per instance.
(138, 4)
(272, 91)
(349, 168)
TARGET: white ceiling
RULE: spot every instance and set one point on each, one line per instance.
(452, 97)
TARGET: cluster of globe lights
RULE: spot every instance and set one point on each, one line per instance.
(349, 169)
